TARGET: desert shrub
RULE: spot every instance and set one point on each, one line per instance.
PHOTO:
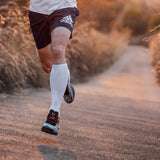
(19, 61)
(154, 21)
(18, 70)
(136, 20)
(155, 50)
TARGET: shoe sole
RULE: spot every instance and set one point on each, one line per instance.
(69, 98)
(49, 130)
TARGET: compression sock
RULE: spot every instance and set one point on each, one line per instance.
(58, 81)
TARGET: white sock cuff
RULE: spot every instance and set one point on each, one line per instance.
(59, 66)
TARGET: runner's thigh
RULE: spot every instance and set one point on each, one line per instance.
(60, 36)
(61, 25)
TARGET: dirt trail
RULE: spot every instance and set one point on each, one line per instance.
(115, 116)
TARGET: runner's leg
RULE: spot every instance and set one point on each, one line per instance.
(59, 74)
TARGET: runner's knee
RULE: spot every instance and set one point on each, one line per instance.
(58, 53)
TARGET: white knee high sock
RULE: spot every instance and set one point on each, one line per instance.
(58, 81)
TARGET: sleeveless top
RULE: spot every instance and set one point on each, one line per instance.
(49, 6)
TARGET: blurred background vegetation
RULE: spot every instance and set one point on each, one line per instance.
(101, 34)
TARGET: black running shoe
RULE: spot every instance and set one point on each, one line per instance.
(51, 125)
(69, 93)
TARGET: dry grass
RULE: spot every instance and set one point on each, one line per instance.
(155, 53)
(19, 62)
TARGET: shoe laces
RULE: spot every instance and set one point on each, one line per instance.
(52, 117)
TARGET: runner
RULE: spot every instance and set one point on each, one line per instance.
(52, 22)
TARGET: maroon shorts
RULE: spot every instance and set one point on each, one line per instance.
(42, 25)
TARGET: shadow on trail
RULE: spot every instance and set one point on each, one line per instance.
(54, 153)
